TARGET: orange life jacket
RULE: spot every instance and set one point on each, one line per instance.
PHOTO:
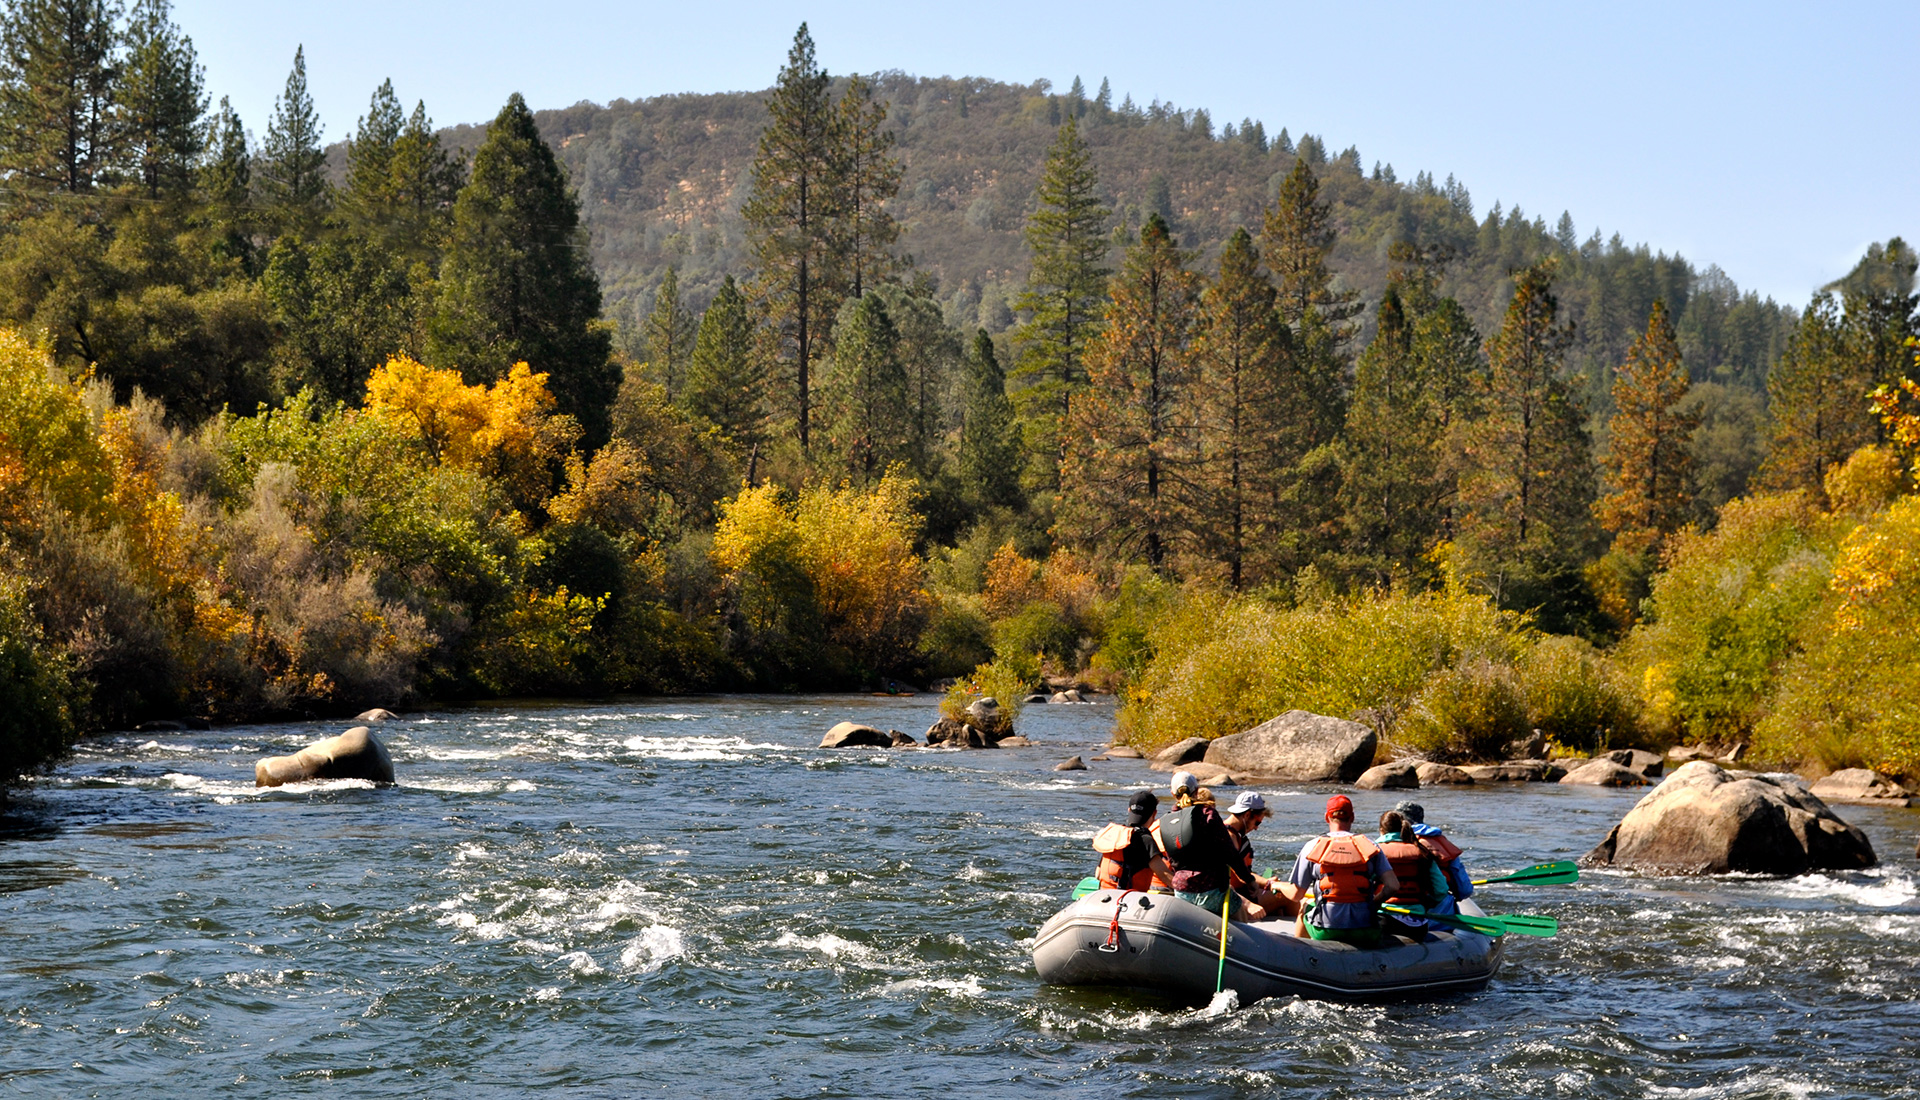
(1410, 861)
(1160, 882)
(1442, 849)
(1346, 867)
(1112, 843)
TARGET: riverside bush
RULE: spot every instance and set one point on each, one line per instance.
(1576, 696)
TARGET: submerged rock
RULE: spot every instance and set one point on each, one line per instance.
(355, 754)
(1602, 772)
(850, 735)
(1861, 786)
(1012, 741)
(1442, 775)
(1704, 821)
(1297, 746)
(1399, 775)
(1071, 764)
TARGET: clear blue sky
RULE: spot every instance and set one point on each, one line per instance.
(1776, 140)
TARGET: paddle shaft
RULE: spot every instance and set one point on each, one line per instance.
(1220, 974)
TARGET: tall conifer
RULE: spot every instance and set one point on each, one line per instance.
(1816, 398)
(370, 152)
(726, 383)
(865, 407)
(161, 101)
(668, 333)
(1649, 446)
(1126, 443)
(292, 166)
(866, 176)
(58, 130)
(425, 182)
(1066, 285)
(989, 456)
(517, 282)
(790, 221)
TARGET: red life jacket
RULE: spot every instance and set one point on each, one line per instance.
(1112, 843)
(1442, 849)
(1346, 868)
(1410, 861)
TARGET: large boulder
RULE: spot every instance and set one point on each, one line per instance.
(1179, 754)
(1862, 787)
(1648, 764)
(1703, 820)
(1442, 775)
(1123, 752)
(899, 740)
(989, 717)
(1297, 746)
(946, 730)
(849, 735)
(1013, 741)
(1399, 775)
(1531, 747)
(1516, 771)
(355, 754)
(1602, 772)
(377, 714)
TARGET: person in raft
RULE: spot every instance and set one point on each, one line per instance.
(1185, 789)
(1200, 852)
(1459, 883)
(1348, 875)
(1265, 897)
(1130, 858)
(1422, 882)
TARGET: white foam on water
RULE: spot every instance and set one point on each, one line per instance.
(550, 993)
(1714, 962)
(581, 963)
(1768, 1084)
(827, 944)
(1224, 1003)
(453, 786)
(579, 857)
(444, 755)
(1884, 889)
(966, 987)
(469, 853)
(1054, 832)
(974, 874)
(695, 748)
(467, 923)
(521, 785)
(652, 948)
(537, 947)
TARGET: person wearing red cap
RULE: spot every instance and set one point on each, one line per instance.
(1348, 875)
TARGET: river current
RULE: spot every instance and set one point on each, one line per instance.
(679, 897)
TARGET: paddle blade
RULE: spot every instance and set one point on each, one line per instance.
(1486, 926)
(1540, 874)
(1087, 886)
(1523, 925)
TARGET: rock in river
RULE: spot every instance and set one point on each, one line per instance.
(1602, 772)
(1297, 746)
(1861, 787)
(1648, 764)
(355, 754)
(1178, 754)
(1703, 820)
(1123, 752)
(900, 740)
(1074, 764)
(1442, 775)
(377, 714)
(848, 735)
(1399, 775)
(1516, 771)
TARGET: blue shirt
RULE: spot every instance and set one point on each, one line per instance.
(1339, 914)
(1456, 872)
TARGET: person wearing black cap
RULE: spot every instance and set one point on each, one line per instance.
(1128, 855)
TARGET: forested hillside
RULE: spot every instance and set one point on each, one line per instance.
(864, 379)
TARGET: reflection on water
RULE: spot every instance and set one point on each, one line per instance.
(655, 897)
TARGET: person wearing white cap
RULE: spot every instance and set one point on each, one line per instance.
(1262, 895)
(1185, 789)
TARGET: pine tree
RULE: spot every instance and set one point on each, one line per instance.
(989, 456)
(1816, 395)
(1649, 448)
(426, 181)
(370, 151)
(864, 401)
(1527, 486)
(1067, 237)
(1411, 387)
(1296, 240)
(865, 176)
(929, 353)
(668, 333)
(518, 283)
(726, 382)
(790, 221)
(1104, 100)
(1240, 353)
(161, 101)
(1126, 442)
(226, 182)
(292, 168)
(1878, 303)
(57, 73)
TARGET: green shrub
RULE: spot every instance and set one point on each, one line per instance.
(958, 637)
(37, 697)
(1466, 713)
(1040, 627)
(1574, 695)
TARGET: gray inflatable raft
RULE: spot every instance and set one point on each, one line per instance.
(1161, 943)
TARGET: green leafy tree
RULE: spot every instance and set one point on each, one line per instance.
(1527, 487)
(726, 380)
(343, 307)
(864, 400)
(989, 454)
(668, 333)
(292, 167)
(1066, 286)
(790, 222)
(866, 176)
(1241, 356)
(517, 283)
(1816, 395)
(58, 130)
(161, 101)
(1127, 442)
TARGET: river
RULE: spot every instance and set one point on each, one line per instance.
(677, 897)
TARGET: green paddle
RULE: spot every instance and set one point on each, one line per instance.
(1521, 924)
(1087, 886)
(1540, 874)
(1486, 926)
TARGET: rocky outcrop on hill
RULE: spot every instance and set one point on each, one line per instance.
(1703, 820)
(355, 754)
(1297, 746)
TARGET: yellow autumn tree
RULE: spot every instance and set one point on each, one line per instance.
(508, 431)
